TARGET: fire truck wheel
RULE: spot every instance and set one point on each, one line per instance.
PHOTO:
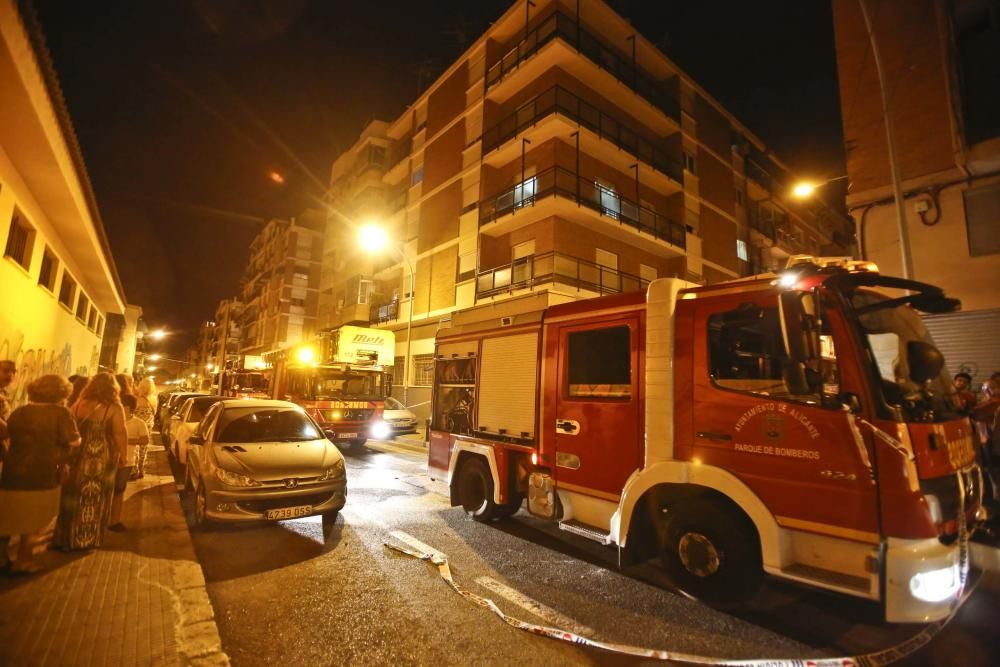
(511, 507)
(475, 490)
(712, 553)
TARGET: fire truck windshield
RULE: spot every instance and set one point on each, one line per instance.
(250, 381)
(889, 326)
(331, 384)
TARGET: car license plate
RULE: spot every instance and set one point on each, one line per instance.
(289, 512)
(347, 436)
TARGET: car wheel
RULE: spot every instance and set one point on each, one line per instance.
(475, 490)
(188, 483)
(712, 553)
(201, 519)
(329, 523)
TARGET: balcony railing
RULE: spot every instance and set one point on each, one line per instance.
(586, 192)
(559, 100)
(552, 267)
(563, 27)
(382, 313)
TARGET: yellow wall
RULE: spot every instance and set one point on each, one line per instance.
(36, 331)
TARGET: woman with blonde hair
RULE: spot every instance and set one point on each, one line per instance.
(145, 394)
(42, 434)
(89, 487)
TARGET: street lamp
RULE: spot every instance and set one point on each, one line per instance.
(373, 239)
(158, 334)
(154, 357)
(806, 189)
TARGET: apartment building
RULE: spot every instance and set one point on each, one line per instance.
(280, 290)
(57, 275)
(941, 60)
(561, 157)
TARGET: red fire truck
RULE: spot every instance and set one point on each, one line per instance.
(341, 380)
(799, 424)
(245, 377)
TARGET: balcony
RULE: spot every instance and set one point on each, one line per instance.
(585, 192)
(383, 313)
(560, 26)
(555, 269)
(559, 100)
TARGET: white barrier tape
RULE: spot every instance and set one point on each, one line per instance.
(875, 659)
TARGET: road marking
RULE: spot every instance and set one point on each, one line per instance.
(540, 610)
(415, 543)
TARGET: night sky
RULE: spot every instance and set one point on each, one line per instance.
(184, 108)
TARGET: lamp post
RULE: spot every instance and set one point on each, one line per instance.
(897, 190)
(374, 239)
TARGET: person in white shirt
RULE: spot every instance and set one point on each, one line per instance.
(138, 438)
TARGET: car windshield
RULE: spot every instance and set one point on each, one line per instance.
(392, 404)
(888, 330)
(199, 407)
(266, 425)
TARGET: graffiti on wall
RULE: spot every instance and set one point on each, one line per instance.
(32, 363)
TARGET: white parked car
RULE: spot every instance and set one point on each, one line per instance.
(398, 417)
(263, 460)
(184, 423)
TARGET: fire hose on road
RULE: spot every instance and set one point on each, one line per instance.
(874, 659)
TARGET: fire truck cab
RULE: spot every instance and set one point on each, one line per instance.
(341, 380)
(801, 425)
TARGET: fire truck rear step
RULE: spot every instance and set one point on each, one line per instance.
(584, 530)
(827, 578)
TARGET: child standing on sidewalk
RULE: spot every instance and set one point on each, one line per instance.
(138, 438)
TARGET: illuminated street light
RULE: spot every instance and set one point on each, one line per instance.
(157, 334)
(804, 190)
(209, 367)
(150, 368)
(276, 177)
(373, 239)
(306, 355)
(153, 357)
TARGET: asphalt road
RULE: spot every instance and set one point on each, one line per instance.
(282, 596)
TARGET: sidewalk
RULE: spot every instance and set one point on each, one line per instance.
(139, 600)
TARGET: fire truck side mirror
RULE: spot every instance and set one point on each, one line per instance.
(924, 360)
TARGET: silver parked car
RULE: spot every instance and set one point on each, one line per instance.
(398, 417)
(253, 460)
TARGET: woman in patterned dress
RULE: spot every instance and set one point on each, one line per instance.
(85, 506)
(145, 394)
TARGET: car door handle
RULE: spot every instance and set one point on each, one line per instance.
(567, 426)
(710, 435)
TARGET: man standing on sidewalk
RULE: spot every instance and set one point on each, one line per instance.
(8, 369)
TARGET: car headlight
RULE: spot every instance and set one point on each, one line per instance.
(234, 479)
(334, 472)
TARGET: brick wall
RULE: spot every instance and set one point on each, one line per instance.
(448, 100)
(439, 217)
(443, 156)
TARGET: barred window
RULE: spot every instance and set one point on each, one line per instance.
(81, 308)
(47, 274)
(423, 370)
(67, 290)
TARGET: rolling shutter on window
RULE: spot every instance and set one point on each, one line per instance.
(507, 386)
(969, 341)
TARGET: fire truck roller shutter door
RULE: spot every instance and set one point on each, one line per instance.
(507, 388)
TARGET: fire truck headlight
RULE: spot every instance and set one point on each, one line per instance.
(788, 279)
(337, 415)
(380, 430)
(935, 585)
(934, 505)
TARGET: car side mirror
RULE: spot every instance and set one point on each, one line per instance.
(925, 361)
(330, 435)
(196, 440)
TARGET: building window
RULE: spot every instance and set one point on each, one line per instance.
(92, 319)
(689, 162)
(976, 25)
(20, 240)
(599, 363)
(81, 308)
(398, 364)
(741, 250)
(423, 370)
(982, 210)
(67, 290)
(417, 176)
(647, 273)
(99, 328)
(47, 274)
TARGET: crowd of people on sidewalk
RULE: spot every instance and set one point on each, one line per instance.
(66, 457)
